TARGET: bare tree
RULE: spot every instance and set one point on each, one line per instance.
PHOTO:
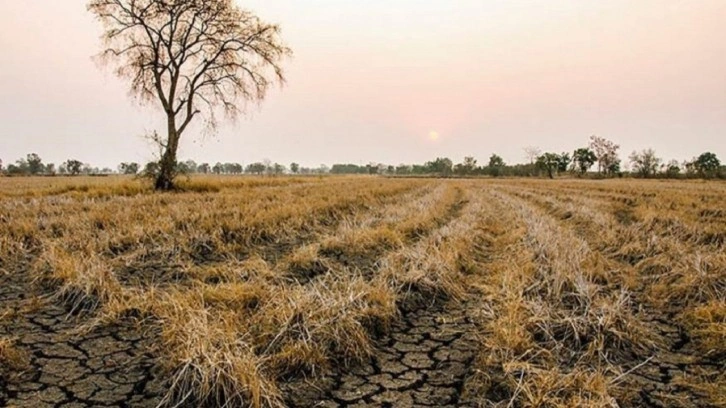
(194, 57)
(645, 163)
(532, 153)
(606, 153)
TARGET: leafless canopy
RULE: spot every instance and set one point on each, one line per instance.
(606, 152)
(193, 56)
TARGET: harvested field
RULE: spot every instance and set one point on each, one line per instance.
(362, 291)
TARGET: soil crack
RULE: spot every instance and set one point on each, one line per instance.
(423, 361)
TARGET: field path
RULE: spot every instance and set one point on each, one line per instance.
(109, 366)
(422, 361)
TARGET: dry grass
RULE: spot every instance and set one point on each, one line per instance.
(12, 358)
(553, 330)
(251, 281)
(219, 273)
(582, 282)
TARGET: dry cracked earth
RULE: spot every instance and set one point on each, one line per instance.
(657, 378)
(67, 367)
(422, 362)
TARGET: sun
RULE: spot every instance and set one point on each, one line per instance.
(434, 135)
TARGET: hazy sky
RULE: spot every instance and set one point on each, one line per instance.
(371, 80)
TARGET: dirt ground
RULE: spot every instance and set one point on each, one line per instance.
(423, 361)
(69, 367)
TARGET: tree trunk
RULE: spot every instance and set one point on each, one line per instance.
(167, 165)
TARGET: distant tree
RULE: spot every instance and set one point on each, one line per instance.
(190, 166)
(183, 168)
(645, 163)
(467, 167)
(707, 164)
(420, 169)
(402, 169)
(532, 153)
(672, 169)
(20, 167)
(340, 168)
(269, 169)
(614, 168)
(563, 162)
(606, 153)
(496, 165)
(548, 162)
(88, 169)
(442, 166)
(73, 167)
(218, 168)
(34, 163)
(17, 168)
(128, 168)
(278, 169)
(375, 168)
(204, 168)
(583, 159)
(323, 169)
(151, 169)
(294, 168)
(49, 169)
(1, 165)
(496, 161)
(190, 55)
(256, 168)
(689, 167)
(230, 168)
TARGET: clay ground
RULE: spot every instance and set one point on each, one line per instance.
(67, 366)
(423, 361)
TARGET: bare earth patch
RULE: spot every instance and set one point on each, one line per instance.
(423, 361)
(67, 367)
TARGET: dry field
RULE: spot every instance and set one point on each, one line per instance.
(362, 291)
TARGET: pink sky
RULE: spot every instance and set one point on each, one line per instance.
(370, 80)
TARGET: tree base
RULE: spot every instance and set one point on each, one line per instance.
(164, 183)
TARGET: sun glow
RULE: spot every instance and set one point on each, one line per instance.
(434, 135)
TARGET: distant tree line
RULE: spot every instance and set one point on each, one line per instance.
(600, 158)
(33, 165)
